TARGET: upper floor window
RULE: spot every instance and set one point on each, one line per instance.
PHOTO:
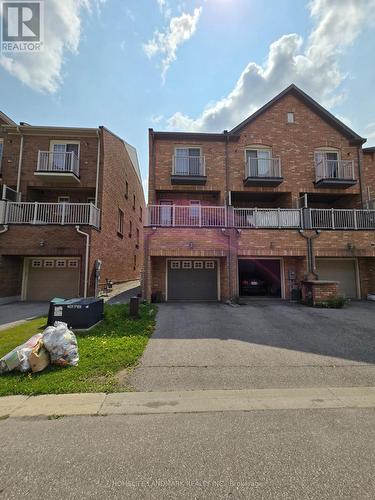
(137, 236)
(126, 190)
(120, 222)
(62, 157)
(328, 162)
(134, 202)
(188, 161)
(140, 214)
(258, 162)
(290, 117)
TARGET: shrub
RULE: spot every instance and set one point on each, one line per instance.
(333, 303)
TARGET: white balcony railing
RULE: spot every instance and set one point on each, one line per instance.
(326, 218)
(186, 216)
(51, 161)
(189, 165)
(263, 167)
(276, 218)
(334, 170)
(50, 213)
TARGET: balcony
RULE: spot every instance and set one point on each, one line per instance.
(49, 213)
(58, 166)
(261, 218)
(263, 172)
(334, 173)
(186, 216)
(189, 170)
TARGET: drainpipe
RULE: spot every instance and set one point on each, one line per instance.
(311, 266)
(5, 229)
(97, 169)
(360, 176)
(226, 167)
(19, 162)
(86, 258)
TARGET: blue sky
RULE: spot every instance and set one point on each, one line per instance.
(191, 65)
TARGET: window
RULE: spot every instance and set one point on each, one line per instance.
(73, 263)
(195, 208)
(187, 264)
(209, 264)
(1, 151)
(290, 117)
(130, 229)
(135, 262)
(140, 214)
(120, 222)
(198, 264)
(175, 264)
(137, 236)
(126, 190)
(60, 263)
(65, 156)
(63, 199)
(36, 263)
(134, 202)
(327, 163)
(49, 263)
(188, 161)
(258, 162)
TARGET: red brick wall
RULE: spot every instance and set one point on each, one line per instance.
(10, 276)
(368, 174)
(116, 252)
(367, 276)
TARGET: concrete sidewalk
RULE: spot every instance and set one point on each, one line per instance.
(186, 402)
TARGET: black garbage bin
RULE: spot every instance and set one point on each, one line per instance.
(77, 313)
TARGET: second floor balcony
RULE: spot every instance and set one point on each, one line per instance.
(37, 213)
(263, 172)
(188, 169)
(334, 173)
(58, 166)
(261, 218)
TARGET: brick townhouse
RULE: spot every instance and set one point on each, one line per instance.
(284, 195)
(71, 211)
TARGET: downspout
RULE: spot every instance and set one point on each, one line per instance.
(311, 266)
(360, 175)
(86, 259)
(226, 161)
(5, 229)
(97, 170)
(19, 161)
(152, 175)
(226, 201)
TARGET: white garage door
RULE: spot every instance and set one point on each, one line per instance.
(341, 270)
(50, 277)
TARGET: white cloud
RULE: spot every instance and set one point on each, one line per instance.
(370, 134)
(165, 8)
(43, 71)
(166, 43)
(313, 66)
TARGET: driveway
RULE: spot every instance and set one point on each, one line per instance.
(258, 345)
(17, 312)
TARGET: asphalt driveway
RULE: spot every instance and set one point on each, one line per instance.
(18, 312)
(258, 345)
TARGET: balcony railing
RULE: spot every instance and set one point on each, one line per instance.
(334, 170)
(185, 216)
(263, 167)
(58, 162)
(49, 213)
(261, 218)
(194, 166)
(267, 218)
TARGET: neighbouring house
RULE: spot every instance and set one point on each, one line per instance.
(254, 210)
(71, 211)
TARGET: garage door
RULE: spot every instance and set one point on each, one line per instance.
(192, 280)
(343, 271)
(52, 277)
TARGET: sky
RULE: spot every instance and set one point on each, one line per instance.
(191, 65)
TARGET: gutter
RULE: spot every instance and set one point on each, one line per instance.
(86, 259)
(19, 162)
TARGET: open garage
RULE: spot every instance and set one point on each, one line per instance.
(259, 277)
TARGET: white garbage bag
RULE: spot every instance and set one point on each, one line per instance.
(61, 343)
(18, 359)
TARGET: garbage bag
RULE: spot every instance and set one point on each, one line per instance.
(18, 359)
(61, 343)
(39, 358)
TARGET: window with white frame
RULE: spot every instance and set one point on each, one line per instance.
(258, 162)
(120, 222)
(198, 264)
(36, 263)
(73, 263)
(175, 264)
(64, 155)
(49, 263)
(290, 117)
(188, 161)
(187, 264)
(209, 264)
(327, 162)
(60, 263)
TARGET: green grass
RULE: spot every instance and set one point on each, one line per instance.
(113, 345)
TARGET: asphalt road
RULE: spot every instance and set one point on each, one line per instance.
(259, 345)
(314, 454)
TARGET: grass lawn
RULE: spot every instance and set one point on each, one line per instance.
(115, 344)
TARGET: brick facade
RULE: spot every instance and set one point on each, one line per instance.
(115, 170)
(295, 144)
